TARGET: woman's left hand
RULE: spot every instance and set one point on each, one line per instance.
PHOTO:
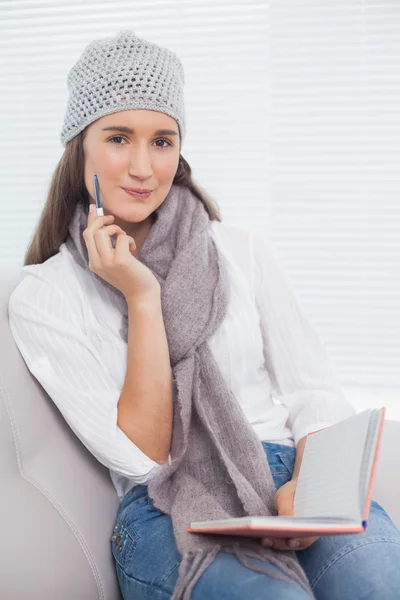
(284, 498)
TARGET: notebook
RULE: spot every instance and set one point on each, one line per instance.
(334, 489)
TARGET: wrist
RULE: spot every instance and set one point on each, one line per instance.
(147, 299)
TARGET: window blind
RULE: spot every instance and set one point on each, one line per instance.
(333, 176)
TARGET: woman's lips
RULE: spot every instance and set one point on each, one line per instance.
(137, 194)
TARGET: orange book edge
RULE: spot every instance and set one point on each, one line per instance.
(257, 531)
(374, 470)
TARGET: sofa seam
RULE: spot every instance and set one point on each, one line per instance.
(46, 494)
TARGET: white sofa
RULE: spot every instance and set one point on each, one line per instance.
(57, 502)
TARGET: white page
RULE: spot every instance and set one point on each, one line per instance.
(275, 521)
(329, 478)
(369, 456)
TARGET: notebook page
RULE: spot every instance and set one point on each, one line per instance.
(369, 456)
(273, 526)
(329, 477)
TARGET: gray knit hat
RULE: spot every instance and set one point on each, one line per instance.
(121, 73)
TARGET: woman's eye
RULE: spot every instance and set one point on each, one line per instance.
(167, 142)
(118, 137)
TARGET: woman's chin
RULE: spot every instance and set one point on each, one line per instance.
(131, 215)
(130, 210)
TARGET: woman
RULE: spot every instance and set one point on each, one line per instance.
(163, 336)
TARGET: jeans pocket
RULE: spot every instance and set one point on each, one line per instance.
(281, 464)
(288, 461)
(280, 479)
(144, 545)
(123, 543)
(132, 525)
(283, 468)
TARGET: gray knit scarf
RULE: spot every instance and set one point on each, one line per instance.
(218, 466)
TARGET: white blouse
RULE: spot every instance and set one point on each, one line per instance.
(268, 352)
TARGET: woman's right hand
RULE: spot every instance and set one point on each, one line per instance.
(117, 265)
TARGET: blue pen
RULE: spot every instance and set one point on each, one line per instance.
(97, 197)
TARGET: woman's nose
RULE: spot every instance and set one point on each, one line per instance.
(140, 165)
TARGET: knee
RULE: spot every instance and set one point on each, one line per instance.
(228, 579)
(369, 571)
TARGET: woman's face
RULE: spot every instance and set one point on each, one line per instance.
(138, 158)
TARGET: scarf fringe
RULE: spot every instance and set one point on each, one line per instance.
(297, 575)
(189, 574)
(194, 564)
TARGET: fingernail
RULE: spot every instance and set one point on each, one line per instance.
(91, 207)
(266, 542)
(294, 543)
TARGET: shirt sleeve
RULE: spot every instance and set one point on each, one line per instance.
(303, 376)
(68, 366)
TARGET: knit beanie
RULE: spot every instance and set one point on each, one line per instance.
(120, 73)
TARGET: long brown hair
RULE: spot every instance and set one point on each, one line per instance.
(67, 189)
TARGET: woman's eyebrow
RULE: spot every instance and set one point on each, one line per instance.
(124, 129)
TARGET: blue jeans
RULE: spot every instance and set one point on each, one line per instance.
(339, 567)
